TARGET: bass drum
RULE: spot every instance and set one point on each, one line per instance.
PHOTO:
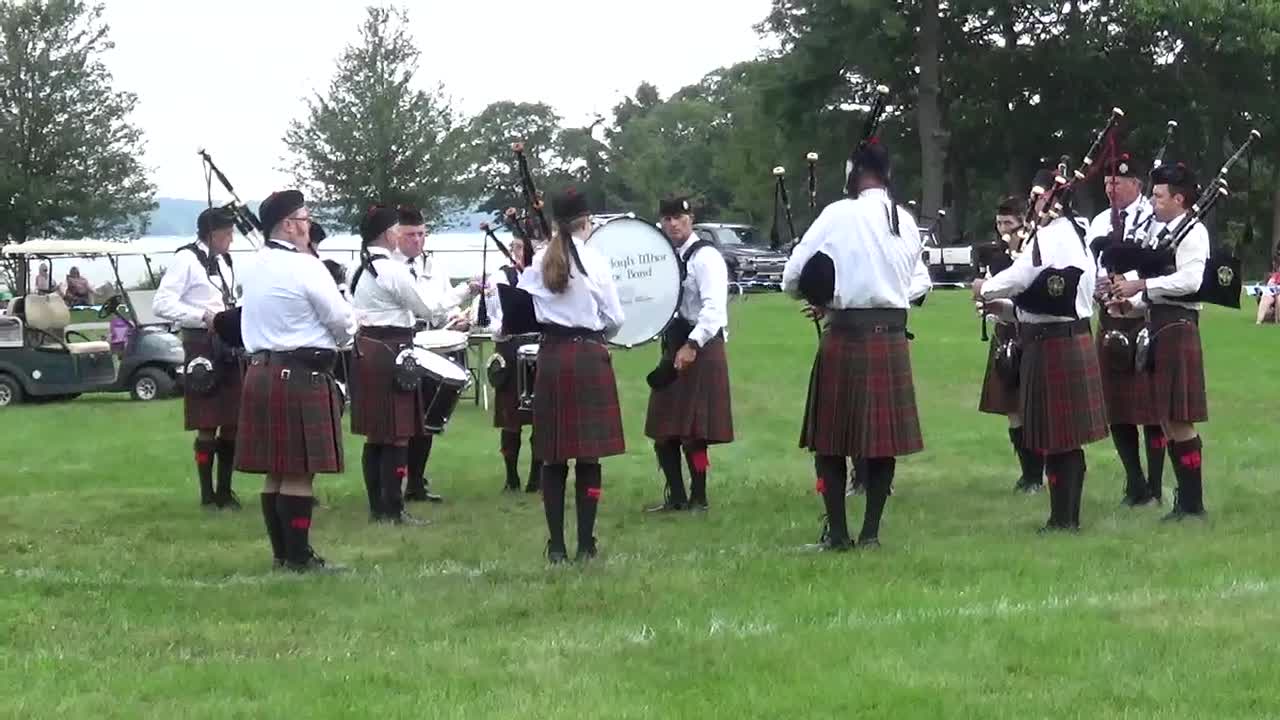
(647, 273)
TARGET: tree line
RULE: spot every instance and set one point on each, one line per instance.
(981, 92)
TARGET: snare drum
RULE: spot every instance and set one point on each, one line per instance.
(526, 373)
(441, 386)
(450, 343)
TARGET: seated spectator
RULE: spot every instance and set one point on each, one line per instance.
(44, 282)
(78, 289)
(119, 334)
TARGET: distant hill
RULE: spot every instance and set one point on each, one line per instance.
(177, 217)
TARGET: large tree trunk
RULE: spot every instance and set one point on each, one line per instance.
(933, 136)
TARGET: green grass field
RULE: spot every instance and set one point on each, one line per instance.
(120, 598)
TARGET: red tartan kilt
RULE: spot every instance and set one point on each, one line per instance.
(221, 406)
(697, 405)
(575, 404)
(1178, 380)
(1061, 393)
(289, 426)
(862, 400)
(998, 397)
(380, 411)
(1128, 396)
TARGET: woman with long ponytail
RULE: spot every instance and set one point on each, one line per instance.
(575, 404)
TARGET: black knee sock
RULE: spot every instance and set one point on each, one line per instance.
(511, 457)
(832, 474)
(275, 529)
(554, 478)
(1078, 470)
(1030, 462)
(1061, 480)
(1125, 438)
(419, 453)
(1186, 467)
(587, 487)
(879, 479)
(534, 484)
(294, 513)
(226, 467)
(371, 466)
(695, 455)
(392, 469)
(205, 451)
(668, 452)
(1156, 444)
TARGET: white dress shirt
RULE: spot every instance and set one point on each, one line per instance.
(705, 299)
(874, 268)
(587, 302)
(1060, 247)
(187, 291)
(1136, 215)
(435, 287)
(1187, 278)
(291, 302)
(393, 298)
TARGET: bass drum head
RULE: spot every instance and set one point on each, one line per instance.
(647, 273)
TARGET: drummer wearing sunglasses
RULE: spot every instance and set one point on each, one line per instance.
(689, 405)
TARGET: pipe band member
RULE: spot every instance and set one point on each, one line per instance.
(294, 321)
(862, 402)
(575, 406)
(197, 286)
(1060, 388)
(1169, 298)
(689, 401)
(1128, 394)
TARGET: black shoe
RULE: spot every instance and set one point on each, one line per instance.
(1132, 500)
(586, 552)
(532, 488)
(828, 545)
(415, 496)
(699, 506)
(315, 564)
(1051, 528)
(1178, 515)
(403, 518)
(228, 501)
(556, 556)
(432, 497)
(668, 506)
(868, 543)
(509, 488)
(1032, 488)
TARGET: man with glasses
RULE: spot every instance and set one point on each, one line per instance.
(294, 319)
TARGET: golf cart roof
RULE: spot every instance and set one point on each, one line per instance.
(71, 248)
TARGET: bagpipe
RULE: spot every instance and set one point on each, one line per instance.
(530, 225)
(226, 324)
(1054, 290)
(1154, 257)
(817, 281)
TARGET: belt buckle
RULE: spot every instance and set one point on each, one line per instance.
(285, 374)
(878, 329)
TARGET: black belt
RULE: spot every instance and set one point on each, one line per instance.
(1032, 332)
(194, 333)
(387, 332)
(313, 359)
(572, 333)
(868, 320)
(1160, 314)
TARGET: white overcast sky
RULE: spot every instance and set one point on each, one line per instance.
(264, 56)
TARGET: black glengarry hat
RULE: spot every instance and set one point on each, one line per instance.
(376, 221)
(674, 206)
(277, 207)
(569, 206)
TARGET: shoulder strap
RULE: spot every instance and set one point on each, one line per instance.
(366, 263)
(513, 277)
(695, 247)
(211, 268)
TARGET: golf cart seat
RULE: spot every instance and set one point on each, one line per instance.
(50, 315)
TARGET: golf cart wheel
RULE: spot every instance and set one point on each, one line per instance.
(150, 384)
(10, 391)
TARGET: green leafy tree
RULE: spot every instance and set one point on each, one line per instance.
(70, 161)
(376, 136)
